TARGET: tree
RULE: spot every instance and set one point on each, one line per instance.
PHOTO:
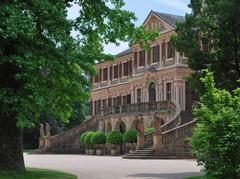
(44, 69)
(210, 39)
(216, 139)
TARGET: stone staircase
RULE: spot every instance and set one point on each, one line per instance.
(174, 132)
(147, 154)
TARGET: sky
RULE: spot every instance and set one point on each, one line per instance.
(141, 8)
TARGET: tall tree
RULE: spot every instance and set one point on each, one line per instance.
(216, 139)
(43, 68)
(210, 38)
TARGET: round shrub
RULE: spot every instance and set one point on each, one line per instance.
(82, 137)
(130, 135)
(88, 137)
(115, 137)
(98, 138)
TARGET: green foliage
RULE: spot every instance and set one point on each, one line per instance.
(115, 137)
(215, 23)
(45, 69)
(98, 138)
(216, 140)
(148, 131)
(82, 137)
(88, 137)
(130, 135)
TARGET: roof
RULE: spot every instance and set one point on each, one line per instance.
(170, 18)
(125, 52)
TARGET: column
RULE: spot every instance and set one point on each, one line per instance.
(157, 135)
(140, 135)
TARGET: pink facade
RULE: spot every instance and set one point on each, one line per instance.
(138, 75)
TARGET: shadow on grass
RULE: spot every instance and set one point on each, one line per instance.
(33, 173)
(166, 175)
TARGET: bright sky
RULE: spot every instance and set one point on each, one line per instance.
(142, 8)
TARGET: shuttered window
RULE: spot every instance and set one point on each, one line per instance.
(100, 75)
(111, 72)
(120, 69)
(105, 74)
(163, 51)
(169, 50)
(115, 71)
(125, 69)
(155, 54)
(129, 99)
(130, 66)
(135, 59)
(141, 58)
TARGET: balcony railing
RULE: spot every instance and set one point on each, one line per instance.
(128, 109)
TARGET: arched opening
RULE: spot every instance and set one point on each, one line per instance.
(152, 92)
(161, 122)
(134, 124)
(121, 126)
(109, 127)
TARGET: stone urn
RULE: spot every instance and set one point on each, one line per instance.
(92, 152)
(99, 152)
(114, 152)
(87, 151)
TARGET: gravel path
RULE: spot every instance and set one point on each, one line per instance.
(106, 167)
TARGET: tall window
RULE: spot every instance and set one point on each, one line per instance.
(105, 74)
(163, 51)
(168, 91)
(115, 101)
(141, 58)
(115, 71)
(95, 79)
(155, 54)
(125, 69)
(104, 103)
(129, 99)
(125, 99)
(169, 50)
(139, 93)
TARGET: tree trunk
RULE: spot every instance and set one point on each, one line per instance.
(11, 145)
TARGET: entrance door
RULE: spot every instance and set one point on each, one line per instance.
(151, 93)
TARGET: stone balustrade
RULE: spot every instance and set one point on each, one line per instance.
(68, 138)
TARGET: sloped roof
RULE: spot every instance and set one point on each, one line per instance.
(125, 52)
(171, 19)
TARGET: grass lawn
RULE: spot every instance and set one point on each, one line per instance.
(200, 177)
(33, 173)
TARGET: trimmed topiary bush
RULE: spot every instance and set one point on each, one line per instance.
(83, 136)
(115, 137)
(88, 137)
(98, 138)
(130, 135)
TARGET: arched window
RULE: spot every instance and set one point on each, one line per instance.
(151, 92)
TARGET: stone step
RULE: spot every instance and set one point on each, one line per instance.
(144, 150)
(150, 157)
(142, 153)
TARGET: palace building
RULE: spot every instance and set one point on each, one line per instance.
(140, 89)
(144, 76)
